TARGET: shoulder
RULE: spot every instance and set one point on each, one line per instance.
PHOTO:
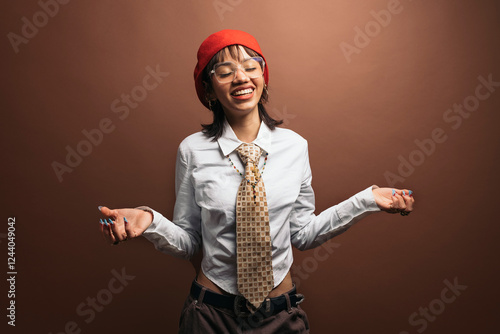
(282, 136)
(195, 140)
(288, 145)
(194, 144)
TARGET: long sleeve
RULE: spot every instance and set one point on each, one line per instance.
(309, 230)
(182, 237)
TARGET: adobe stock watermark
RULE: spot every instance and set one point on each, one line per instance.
(373, 28)
(283, 115)
(92, 305)
(302, 271)
(29, 28)
(449, 294)
(119, 106)
(453, 117)
(223, 6)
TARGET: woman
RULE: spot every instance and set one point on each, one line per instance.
(244, 221)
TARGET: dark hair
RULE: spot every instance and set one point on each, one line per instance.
(216, 129)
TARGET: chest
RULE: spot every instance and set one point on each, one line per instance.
(216, 181)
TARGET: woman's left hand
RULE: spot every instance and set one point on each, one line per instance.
(394, 200)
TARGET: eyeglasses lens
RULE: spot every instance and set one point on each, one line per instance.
(252, 67)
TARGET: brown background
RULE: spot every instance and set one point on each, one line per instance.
(358, 117)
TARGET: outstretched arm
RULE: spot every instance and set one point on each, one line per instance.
(309, 230)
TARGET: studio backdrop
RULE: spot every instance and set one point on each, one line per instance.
(97, 96)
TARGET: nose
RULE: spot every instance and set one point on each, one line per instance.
(240, 75)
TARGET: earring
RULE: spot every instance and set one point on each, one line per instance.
(265, 94)
(207, 98)
(211, 104)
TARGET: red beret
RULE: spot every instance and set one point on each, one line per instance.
(213, 44)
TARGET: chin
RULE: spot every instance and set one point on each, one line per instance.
(248, 108)
(241, 110)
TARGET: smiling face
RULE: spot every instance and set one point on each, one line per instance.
(240, 97)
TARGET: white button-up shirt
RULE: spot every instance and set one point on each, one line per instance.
(206, 187)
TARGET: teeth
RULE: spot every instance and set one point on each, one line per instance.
(243, 92)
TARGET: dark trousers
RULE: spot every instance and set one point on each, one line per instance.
(199, 317)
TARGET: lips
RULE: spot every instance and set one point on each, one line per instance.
(242, 92)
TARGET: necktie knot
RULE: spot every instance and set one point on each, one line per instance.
(249, 153)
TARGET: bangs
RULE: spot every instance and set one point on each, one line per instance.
(233, 51)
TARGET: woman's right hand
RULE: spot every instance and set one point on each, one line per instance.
(124, 224)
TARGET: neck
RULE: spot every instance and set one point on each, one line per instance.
(246, 128)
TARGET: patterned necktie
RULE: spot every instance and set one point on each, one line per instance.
(253, 238)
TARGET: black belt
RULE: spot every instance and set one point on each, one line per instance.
(242, 307)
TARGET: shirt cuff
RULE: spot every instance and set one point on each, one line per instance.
(358, 206)
(156, 219)
(162, 233)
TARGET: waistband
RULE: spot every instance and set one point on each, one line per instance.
(240, 306)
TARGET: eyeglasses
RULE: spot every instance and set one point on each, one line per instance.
(226, 71)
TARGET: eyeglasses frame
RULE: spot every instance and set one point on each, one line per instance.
(239, 66)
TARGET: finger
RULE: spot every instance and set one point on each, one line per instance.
(394, 206)
(106, 231)
(128, 228)
(401, 202)
(120, 223)
(118, 228)
(398, 194)
(108, 212)
(409, 200)
(101, 228)
(398, 203)
(395, 200)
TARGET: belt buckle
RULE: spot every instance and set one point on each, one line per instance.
(241, 303)
(300, 298)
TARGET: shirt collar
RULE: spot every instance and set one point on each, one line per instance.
(228, 142)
